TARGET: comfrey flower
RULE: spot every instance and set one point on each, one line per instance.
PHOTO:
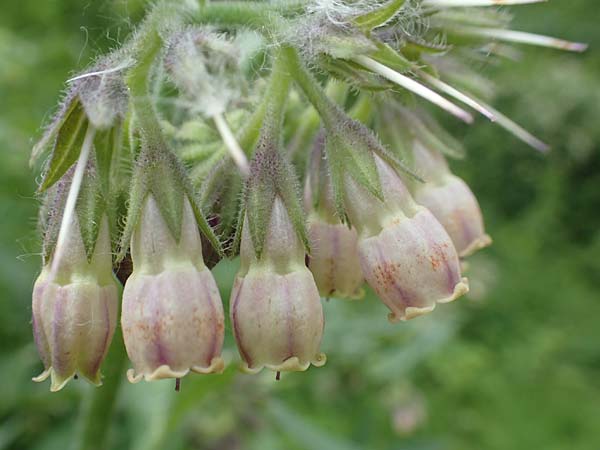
(275, 307)
(450, 200)
(75, 305)
(333, 260)
(405, 254)
(172, 316)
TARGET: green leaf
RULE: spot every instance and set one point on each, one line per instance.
(67, 147)
(379, 16)
(70, 103)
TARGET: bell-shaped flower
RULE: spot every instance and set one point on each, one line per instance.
(333, 260)
(275, 307)
(406, 255)
(75, 305)
(172, 316)
(450, 200)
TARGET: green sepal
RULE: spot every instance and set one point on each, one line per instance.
(91, 206)
(221, 193)
(379, 16)
(414, 47)
(70, 104)
(271, 176)
(67, 146)
(159, 172)
(164, 183)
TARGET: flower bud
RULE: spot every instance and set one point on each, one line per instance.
(172, 315)
(405, 254)
(334, 260)
(275, 306)
(75, 310)
(451, 202)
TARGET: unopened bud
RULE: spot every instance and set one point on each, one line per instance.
(172, 315)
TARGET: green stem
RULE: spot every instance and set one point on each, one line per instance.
(362, 109)
(249, 134)
(98, 406)
(261, 16)
(330, 112)
(276, 96)
(138, 81)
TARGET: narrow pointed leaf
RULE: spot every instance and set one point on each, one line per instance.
(67, 146)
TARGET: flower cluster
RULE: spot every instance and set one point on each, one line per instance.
(186, 146)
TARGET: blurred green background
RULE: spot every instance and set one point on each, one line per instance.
(516, 365)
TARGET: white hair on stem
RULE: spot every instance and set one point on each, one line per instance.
(124, 65)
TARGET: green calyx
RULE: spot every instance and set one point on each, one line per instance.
(271, 175)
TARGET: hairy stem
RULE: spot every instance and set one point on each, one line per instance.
(98, 406)
(326, 108)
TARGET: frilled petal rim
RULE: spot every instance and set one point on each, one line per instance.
(477, 244)
(217, 365)
(58, 382)
(292, 364)
(459, 290)
(411, 312)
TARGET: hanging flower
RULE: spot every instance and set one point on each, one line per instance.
(172, 315)
(74, 309)
(275, 307)
(405, 254)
